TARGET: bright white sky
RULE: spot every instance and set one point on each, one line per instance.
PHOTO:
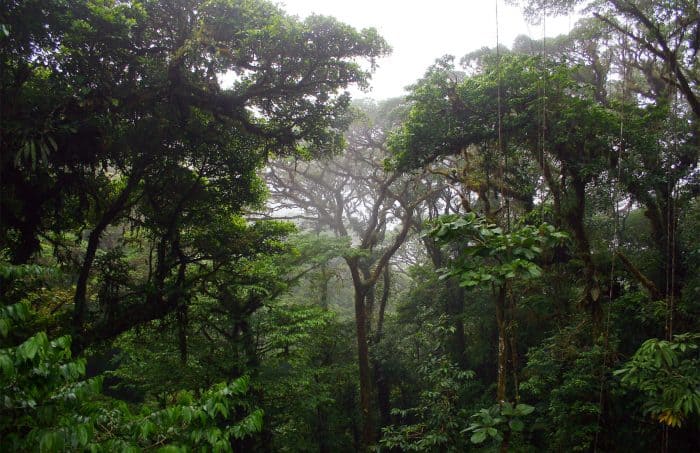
(421, 31)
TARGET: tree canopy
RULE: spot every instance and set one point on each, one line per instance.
(207, 245)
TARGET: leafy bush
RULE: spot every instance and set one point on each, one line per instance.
(48, 406)
(668, 374)
(498, 419)
(438, 421)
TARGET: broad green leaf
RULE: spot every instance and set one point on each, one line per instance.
(4, 327)
(28, 349)
(6, 365)
(524, 409)
(479, 436)
(516, 425)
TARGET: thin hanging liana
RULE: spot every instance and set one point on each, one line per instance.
(614, 201)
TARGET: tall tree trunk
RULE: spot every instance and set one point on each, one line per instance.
(575, 216)
(505, 443)
(504, 335)
(362, 287)
(368, 433)
(249, 346)
(512, 343)
(370, 299)
(382, 306)
(79, 299)
(502, 344)
(27, 222)
(321, 431)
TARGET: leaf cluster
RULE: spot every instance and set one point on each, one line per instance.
(487, 254)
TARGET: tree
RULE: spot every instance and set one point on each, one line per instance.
(666, 34)
(492, 257)
(515, 155)
(355, 197)
(450, 116)
(141, 128)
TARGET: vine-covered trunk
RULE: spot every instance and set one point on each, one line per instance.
(575, 218)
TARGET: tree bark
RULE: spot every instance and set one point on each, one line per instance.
(383, 394)
(575, 215)
(641, 278)
(325, 279)
(382, 306)
(505, 443)
(502, 344)
(512, 343)
(368, 431)
(370, 298)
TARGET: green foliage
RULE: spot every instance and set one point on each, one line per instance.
(209, 421)
(563, 377)
(491, 423)
(74, 80)
(667, 373)
(501, 256)
(48, 406)
(41, 396)
(439, 419)
(43, 400)
(308, 376)
(12, 315)
(452, 112)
